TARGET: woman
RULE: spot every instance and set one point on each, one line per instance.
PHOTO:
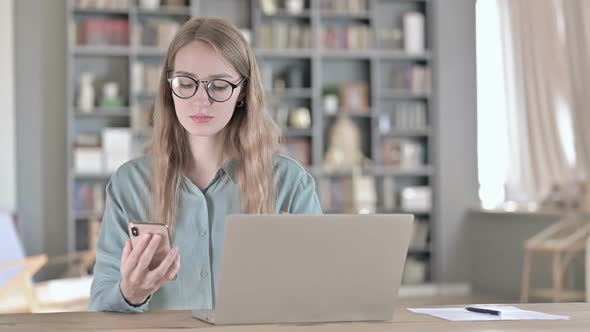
(214, 153)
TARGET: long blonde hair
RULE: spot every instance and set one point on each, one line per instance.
(252, 136)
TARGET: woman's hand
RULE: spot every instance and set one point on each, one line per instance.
(138, 282)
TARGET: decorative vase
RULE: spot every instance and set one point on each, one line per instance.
(86, 93)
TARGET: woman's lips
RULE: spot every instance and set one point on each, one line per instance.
(201, 118)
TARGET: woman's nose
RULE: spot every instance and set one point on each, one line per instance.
(201, 96)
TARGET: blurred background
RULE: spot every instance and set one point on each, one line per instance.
(469, 114)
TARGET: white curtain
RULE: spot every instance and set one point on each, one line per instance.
(546, 65)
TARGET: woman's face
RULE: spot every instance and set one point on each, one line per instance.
(200, 114)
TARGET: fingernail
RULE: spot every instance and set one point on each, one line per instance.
(147, 236)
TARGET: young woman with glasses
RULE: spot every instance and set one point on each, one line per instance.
(214, 152)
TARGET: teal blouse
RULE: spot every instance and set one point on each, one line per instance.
(199, 234)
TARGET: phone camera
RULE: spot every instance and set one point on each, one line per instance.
(134, 231)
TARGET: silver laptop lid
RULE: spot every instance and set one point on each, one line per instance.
(301, 268)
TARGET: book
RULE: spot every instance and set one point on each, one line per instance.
(402, 152)
(412, 78)
(116, 145)
(416, 198)
(103, 31)
(414, 271)
(298, 149)
(410, 115)
(388, 193)
(354, 97)
(420, 235)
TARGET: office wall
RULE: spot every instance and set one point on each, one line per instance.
(456, 149)
(40, 61)
(7, 135)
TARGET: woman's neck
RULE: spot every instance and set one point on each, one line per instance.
(208, 155)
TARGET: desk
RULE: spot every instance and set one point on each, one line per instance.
(181, 321)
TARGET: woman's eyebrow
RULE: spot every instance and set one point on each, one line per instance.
(221, 75)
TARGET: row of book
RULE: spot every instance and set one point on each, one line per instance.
(157, 32)
(347, 37)
(405, 116)
(102, 4)
(103, 153)
(283, 35)
(335, 193)
(298, 149)
(87, 235)
(415, 271)
(345, 6)
(122, 4)
(145, 78)
(98, 31)
(412, 78)
(404, 153)
(89, 197)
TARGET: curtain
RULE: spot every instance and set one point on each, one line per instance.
(546, 63)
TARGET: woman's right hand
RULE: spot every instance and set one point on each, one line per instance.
(138, 282)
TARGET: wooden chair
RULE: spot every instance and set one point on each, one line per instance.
(562, 241)
(18, 293)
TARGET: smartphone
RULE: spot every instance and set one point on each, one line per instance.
(137, 229)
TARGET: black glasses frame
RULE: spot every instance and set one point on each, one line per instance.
(207, 85)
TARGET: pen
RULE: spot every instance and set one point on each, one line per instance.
(484, 311)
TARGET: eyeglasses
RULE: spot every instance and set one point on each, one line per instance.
(218, 89)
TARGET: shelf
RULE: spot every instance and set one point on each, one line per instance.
(104, 50)
(104, 112)
(402, 55)
(104, 11)
(331, 15)
(152, 51)
(367, 54)
(418, 252)
(288, 53)
(145, 96)
(295, 132)
(291, 93)
(361, 115)
(372, 65)
(166, 11)
(396, 171)
(342, 54)
(424, 132)
(282, 13)
(345, 54)
(374, 170)
(403, 95)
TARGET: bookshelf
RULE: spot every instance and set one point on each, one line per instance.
(297, 70)
(121, 42)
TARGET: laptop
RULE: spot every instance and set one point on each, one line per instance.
(310, 269)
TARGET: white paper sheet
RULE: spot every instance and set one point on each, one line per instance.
(508, 313)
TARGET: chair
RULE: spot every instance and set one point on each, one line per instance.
(18, 293)
(563, 241)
